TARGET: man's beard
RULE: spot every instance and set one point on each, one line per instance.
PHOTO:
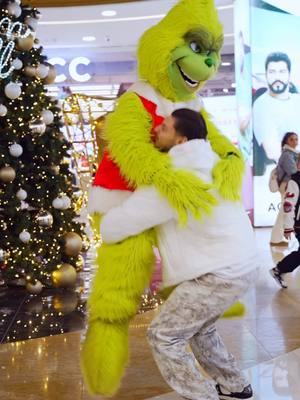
(278, 87)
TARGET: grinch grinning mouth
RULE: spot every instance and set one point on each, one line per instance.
(187, 79)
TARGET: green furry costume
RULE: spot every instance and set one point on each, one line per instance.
(176, 57)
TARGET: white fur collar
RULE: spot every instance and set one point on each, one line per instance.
(287, 147)
(165, 107)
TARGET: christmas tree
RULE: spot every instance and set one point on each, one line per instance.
(40, 239)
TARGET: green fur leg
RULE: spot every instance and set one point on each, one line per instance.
(236, 310)
(104, 356)
(124, 271)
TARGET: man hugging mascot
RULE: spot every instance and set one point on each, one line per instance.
(175, 59)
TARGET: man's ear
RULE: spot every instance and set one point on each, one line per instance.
(182, 139)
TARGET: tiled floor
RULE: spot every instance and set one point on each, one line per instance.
(266, 343)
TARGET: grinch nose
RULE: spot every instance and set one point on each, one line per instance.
(209, 62)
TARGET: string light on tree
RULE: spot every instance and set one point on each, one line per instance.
(10, 31)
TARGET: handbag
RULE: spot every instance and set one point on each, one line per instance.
(273, 181)
(274, 184)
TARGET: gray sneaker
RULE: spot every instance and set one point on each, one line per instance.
(247, 393)
(278, 277)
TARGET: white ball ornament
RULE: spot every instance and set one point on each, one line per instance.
(14, 9)
(47, 116)
(66, 202)
(58, 203)
(12, 90)
(15, 150)
(3, 110)
(24, 236)
(17, 64)
(42, 71)
(21, 194)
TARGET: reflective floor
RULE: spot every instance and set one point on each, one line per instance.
(266, 343)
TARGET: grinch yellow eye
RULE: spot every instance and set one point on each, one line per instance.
(195, 47)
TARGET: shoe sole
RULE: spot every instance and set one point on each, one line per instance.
(222, 397)
(281, 287)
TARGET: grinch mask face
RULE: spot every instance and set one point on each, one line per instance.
(193, 63)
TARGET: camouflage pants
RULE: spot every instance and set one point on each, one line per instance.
(188, 317)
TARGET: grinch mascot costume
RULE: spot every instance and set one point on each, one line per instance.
(175, 59)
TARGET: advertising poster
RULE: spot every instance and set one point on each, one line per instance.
(243, 77)
(275, 53)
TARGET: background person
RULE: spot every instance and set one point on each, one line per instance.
(286, 167)
(291, 219)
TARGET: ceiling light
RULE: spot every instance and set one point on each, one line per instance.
(109, 13)
(226, 64)
(88, 38)
(233, 85)
(225, 90)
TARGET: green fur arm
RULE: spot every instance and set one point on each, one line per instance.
(229, 171)
(128, 134)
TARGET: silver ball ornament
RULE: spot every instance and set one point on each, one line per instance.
(17, 64)
(21, 194)
(44, 219)
(12, 90)
(42, 71)
(24, 236)
(14, 9)
(58, 203)
(47, 116)
(15, 150)
(3, 110)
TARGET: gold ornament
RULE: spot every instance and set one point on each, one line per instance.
(65, 302)
(50, 78)
(30, 71)
(79, 263)
(25, 44)
(34, 287)
(73, 244)
(44, 219)
(64, 276)
(7, 174)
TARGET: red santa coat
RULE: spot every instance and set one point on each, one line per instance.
(110, 188)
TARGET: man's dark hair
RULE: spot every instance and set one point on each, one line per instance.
(189, 123)
(276, 57)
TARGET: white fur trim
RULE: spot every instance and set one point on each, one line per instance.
(102, 200)
(165, 107)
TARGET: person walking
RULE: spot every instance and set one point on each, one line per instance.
(291, 223)
(287, 166)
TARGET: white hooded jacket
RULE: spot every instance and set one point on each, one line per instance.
(222, 242)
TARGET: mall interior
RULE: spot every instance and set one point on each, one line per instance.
(64, 65)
